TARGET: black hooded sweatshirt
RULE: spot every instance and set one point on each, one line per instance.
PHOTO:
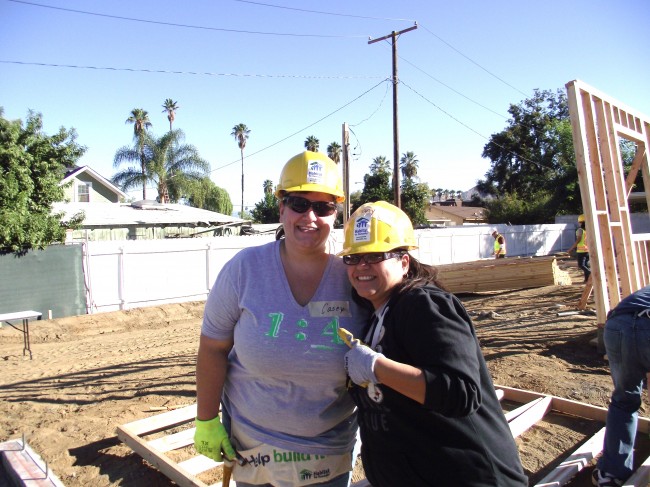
(459, 437)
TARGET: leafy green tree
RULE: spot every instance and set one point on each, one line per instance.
(208, 196)
(170, 106)
(409, 165)
(169, 164)
(415, 199)
(241, 132)
(377, 184)
(33, 164)
(517, 210)
(534, 155)
(140, 120)
(312, 143)
(266, 210)
(334, 152)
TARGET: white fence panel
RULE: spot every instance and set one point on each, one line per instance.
(137, 273)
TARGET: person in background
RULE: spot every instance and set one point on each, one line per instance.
(627, 344)
(269, 350)
(499, 245)
(581, 248)
(428, 411)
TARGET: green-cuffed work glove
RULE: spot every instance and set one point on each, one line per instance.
(211, 439)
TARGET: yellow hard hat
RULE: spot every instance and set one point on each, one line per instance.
(581, 218)
(311, 171)
(378, 227)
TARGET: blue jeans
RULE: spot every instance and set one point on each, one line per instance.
(627, 343)
(340, 481)
(583, 263)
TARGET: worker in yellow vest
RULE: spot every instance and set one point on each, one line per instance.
(581, 248)
(499, 245)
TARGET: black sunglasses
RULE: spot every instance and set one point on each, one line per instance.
(301, 205)
(374, 258)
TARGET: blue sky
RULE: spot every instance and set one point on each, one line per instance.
(290, 69)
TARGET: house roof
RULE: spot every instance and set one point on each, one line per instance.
(143, 213)
(77, 170)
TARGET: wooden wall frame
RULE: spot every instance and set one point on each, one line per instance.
(533, 409)
(620, 260)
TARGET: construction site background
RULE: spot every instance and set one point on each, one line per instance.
(93, 277)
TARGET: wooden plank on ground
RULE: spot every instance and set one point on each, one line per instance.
(163, 463)
(534, 407)
(163, 421)
(641, 477)
(530, 417)
(510, 415)
(575, 462)
(567, 406)
(199, 464)
(174, 441)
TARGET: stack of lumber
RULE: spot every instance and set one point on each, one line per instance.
(502, 274)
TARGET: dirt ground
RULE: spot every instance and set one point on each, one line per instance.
(92, 373)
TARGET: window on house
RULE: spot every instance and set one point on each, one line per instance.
(83, 192)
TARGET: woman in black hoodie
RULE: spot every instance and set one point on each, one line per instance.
(428, 411)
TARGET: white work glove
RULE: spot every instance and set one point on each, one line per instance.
(360, 363)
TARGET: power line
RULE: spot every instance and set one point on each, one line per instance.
(472, 61)
(185, 26)
(452, 89)
(518, 156)
(323, 13)
(239, 31)
(376, 110)
(195, 73)
(304, 128)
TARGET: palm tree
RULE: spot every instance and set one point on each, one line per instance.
(169, 164)
(380, 164)
(334, 151)
(439, 193)
(140, 119)
(268, 186)
(312, 143)
(240, 133)
(409, 165)
(170, 106)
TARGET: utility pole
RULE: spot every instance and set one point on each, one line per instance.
(393, 35)
(346, 171)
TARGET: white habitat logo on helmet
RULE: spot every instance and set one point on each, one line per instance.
(362, 229)
(315, 172)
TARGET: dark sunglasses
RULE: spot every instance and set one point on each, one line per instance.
(374, 258)
(301, 205)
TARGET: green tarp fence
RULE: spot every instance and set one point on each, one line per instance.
(44, 280)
